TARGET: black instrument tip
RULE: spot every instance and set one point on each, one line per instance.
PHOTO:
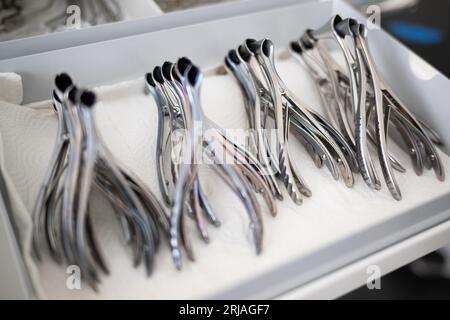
(295, 46)
(149, 79)
(88, 98)
(63, 81)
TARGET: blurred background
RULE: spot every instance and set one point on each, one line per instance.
(421, 25)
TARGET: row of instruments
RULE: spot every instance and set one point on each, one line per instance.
(362, 115)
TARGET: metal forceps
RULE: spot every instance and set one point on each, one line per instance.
(168, 105)
(257, 112)
(336, 155)
(80, 162)
(311, 128)
(354, 131)
(307, 54)
(361, 94)
(419, 135)
(310, 46)
(203, 136)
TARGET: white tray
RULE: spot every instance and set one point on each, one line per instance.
(331, 240)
